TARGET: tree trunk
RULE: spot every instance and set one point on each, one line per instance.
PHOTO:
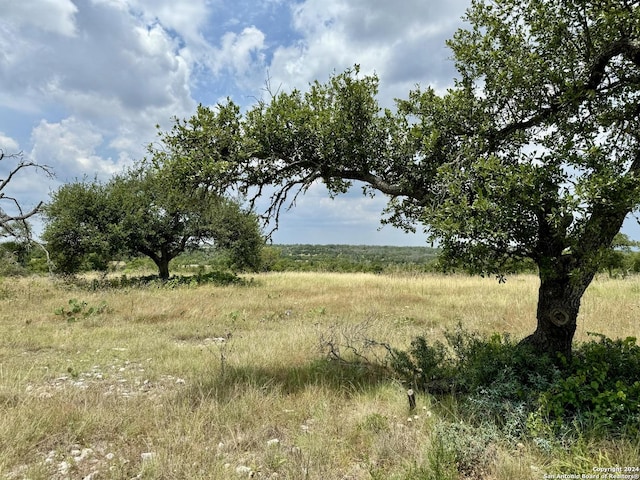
(161, 260)
(163, 267)
(559, 299)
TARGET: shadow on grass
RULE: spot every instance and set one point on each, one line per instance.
(346, 378)
(217, 278)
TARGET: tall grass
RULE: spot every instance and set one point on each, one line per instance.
(228, 382)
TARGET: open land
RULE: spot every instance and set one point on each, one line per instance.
(235, 381)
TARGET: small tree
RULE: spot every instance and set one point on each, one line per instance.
(144, 212)
(618, 257)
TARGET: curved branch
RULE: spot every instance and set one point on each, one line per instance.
(630, 49)
(22, 164)
(394, 190)
(4, 218)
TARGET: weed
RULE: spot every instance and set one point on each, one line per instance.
(77, 310)
(375, 423)
(441, 459)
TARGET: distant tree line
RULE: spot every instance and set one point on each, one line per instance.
(349, 258)
(18, 258)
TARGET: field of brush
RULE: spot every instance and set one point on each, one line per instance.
(213, 382)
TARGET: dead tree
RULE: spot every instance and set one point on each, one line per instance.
(15, 224)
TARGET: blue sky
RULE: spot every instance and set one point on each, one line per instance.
(84, 82)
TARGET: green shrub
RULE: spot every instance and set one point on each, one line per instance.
(424, 367)
(511, 387)
(10, 266)
(600, 391)
(470, 362)
(498, 362)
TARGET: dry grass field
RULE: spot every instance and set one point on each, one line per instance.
(232, 382)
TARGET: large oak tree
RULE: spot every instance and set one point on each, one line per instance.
(533, 154)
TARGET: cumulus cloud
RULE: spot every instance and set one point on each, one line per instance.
(55, 16)
(113, 57)
(403, 43)
(187, 19)
(134, 64)
(240, 53)
(8, 145)
(71, 147)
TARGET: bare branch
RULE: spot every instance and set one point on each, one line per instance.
(7, 221)
(21, 165)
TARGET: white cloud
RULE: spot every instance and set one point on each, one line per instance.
(239, 53)
(70, 147)
(114, 58)
(186, 18)
(402, 42)
(54, 16)
(115, 80)
(8, 145)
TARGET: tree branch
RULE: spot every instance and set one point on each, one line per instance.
(378, 183)
(606, 219)
(22, 164)
(596, 73)
(22, 216)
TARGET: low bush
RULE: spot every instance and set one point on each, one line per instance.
(520, 392)
(10, 266)
(76, 310)
(600, 390)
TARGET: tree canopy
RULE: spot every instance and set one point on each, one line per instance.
(533, 154)
(143, 211)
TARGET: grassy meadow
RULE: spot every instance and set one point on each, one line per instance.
(215, 382)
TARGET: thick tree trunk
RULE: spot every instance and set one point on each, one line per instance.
(559, 299)
(162, 261)
(557, 319)
(163, 268)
